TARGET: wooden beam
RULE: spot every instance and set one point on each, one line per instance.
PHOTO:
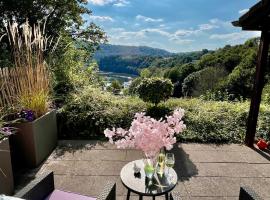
(257, 88)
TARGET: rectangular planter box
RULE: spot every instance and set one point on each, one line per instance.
(35, 141)
(6, 174)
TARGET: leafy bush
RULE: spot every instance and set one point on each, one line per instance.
(177, 76)
(115, 87)
(218, 122)
(90, 111)
(210, 121)
(73, 70)
(133, 88)
(266, 94)
(158, 112)
(240, 81)
(198, 83)
(155, 90)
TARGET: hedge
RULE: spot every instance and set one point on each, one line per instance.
(91, 111)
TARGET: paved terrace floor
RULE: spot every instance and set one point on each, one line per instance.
(205, 172)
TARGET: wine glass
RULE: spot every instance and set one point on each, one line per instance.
(169, 162)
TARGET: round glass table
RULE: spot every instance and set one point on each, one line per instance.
(139, 184)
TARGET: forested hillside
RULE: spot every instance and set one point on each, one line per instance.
(133, 64)
(226, 73)
(106, 50)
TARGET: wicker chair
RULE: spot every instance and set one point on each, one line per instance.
(245, 193)
(43, 188)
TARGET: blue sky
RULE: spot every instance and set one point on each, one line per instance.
(174, 25)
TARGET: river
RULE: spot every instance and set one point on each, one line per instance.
(125, 79)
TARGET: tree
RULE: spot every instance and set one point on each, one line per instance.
(198, 83)
(240, 82)
(177, 76)
(145, 73)
(133, 88)
(115, 87)
(155, 90)
(61, 17)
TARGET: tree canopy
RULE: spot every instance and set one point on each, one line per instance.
(61, 18)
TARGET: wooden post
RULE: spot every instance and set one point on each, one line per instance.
(257, 88)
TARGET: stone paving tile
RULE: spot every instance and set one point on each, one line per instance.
(204, 171)
(90, 155)
(201, 186)
(214, 198)
(89, 144)
(260, 185)
(77, 184)
(264, 169)
(60, 167)
(133, 155)
(226, 187)
(102, 168)
(180, 189)
(252, 156)
(220, 169)
(215, 156)
(212, 147)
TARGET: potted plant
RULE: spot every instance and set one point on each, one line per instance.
(6, 173)
(27, 89)
(36, 137)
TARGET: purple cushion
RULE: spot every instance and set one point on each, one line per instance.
(61, 195)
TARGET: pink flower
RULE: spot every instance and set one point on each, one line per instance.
(148, 134)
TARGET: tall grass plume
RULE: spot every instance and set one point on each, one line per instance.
(26, 85)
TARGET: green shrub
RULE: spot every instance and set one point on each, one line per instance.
(90, 111)
(266, 94)
(210, 121)
(217, 122)
(115, 87)
(133, 88)
(197, 83)
(158, 112)
(155, 90)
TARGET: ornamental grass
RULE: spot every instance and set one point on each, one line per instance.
(26, 85)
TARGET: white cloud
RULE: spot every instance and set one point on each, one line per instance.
(148, 19)
(241, 12)
(182, 41)
(221, 23)
(101, 18)
(204, 27)
(236, 36)
(101, 2)
(121, 3)
(119, 29)
(117, 3)
(156, 30)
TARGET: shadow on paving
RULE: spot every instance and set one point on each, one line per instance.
(184, 167)
(23, 175)
(264, 153)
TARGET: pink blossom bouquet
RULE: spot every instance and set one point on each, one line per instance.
(148, 134)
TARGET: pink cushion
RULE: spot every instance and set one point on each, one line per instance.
(61, 195)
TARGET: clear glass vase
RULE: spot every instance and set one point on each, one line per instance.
(150, 165)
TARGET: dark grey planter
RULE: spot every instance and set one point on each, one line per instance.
(6, 174)
(35, 140)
